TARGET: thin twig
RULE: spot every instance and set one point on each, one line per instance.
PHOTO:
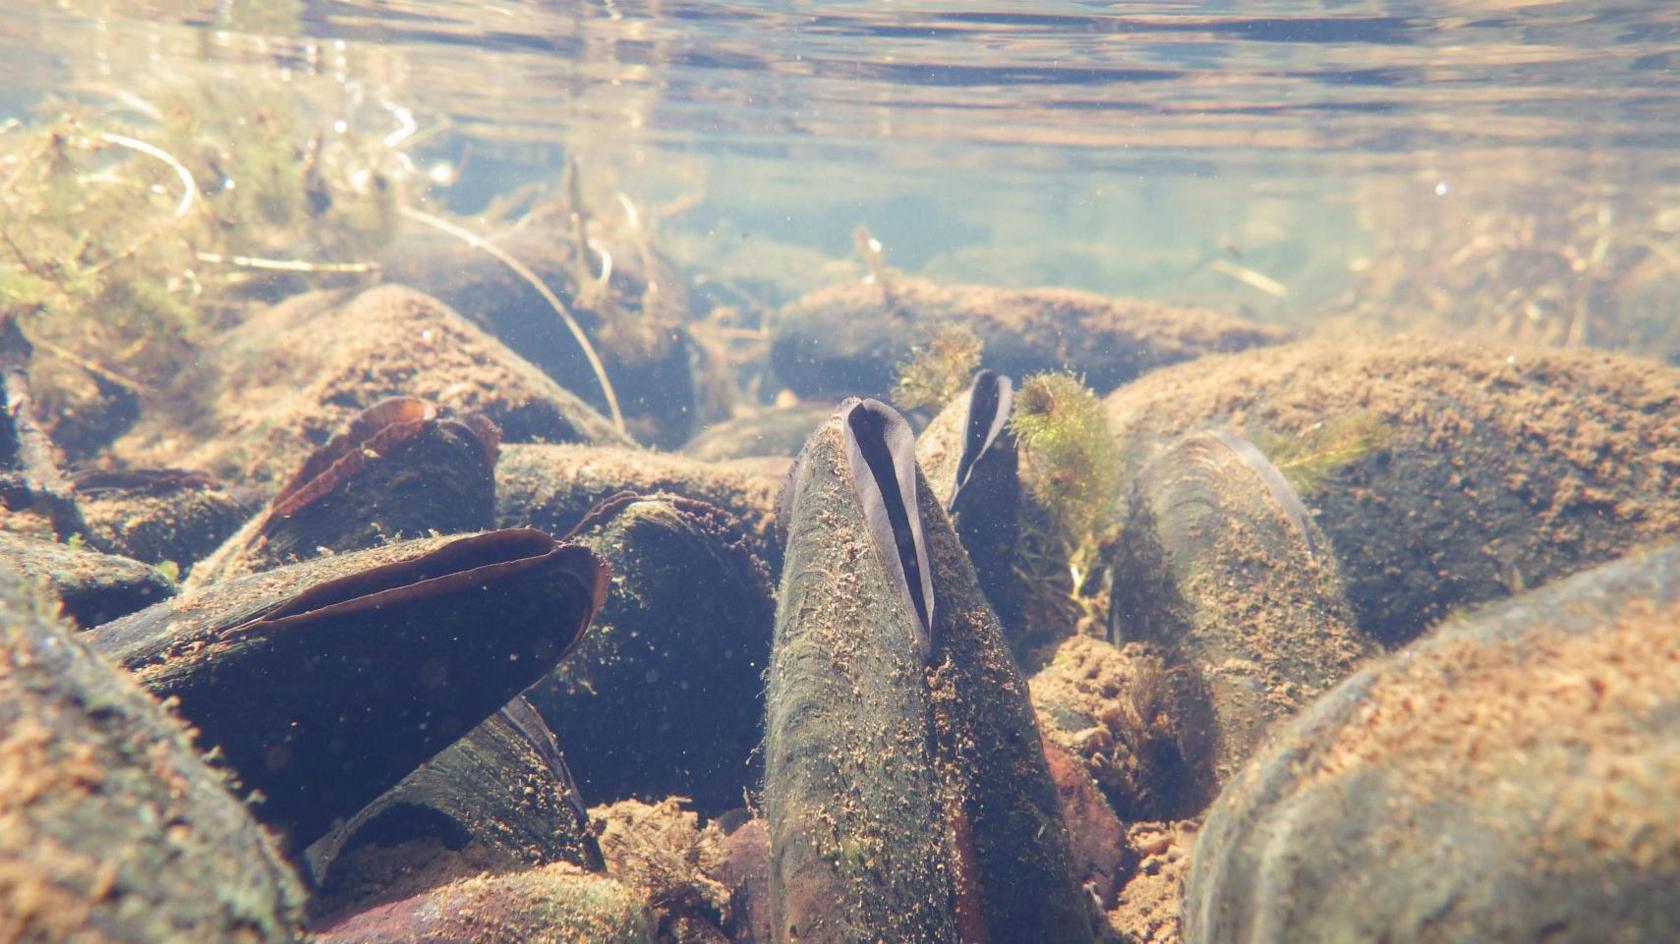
(94, 367)
(189, 191)
(285, 265)
(478, 242)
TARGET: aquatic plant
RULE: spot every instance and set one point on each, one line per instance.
(1069, 462)
(1307, 459)
(938, 368)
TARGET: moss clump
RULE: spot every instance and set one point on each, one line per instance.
(937, 369)
(1307, 459)
(1069, 462)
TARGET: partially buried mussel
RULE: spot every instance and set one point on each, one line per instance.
(327, 681)
(905, 784)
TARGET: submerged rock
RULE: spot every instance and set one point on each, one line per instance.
(326, 682)
(284, 381)
(92, 587)
(1514, 776)
(1444, 474)
(111, 826)
(772, 431)
(849, 339)
(1220, 566)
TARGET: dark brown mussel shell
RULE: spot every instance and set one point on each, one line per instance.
(905, 788)
(111, 826)
(158, 515)
(665, 696)
(1513, 776)
(553, 487)
(970, 460)
(92, 587)
(326, 682)
(499, 799)
(401, 469)
(1221, 567)
(555, 904)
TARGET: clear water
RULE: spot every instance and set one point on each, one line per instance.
(1141, 149)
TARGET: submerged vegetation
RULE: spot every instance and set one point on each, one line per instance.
(937, 369)
(1306, 460)
(1071, 464)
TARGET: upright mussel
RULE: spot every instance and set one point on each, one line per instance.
(905, 784)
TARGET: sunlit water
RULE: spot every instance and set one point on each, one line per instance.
(1252, 156)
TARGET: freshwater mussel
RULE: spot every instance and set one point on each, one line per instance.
(905, 787)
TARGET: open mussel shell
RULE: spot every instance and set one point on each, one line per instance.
(1444, 474)
(111, 826)
(851, 338)
(157, 515)
(970, 460)
(400, 469)
(326, 682)
(288, 378)
(665, 695)
(553, 487)
(905, 788)
(556, 904)
(499, 799)
(1514, 776)
(92, 587)
(1221, 567)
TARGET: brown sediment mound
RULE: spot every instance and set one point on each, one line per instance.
(287, 379)
(663, 852)
(1477, 471)
(1147, 909)
(1121, 712)
(849, 338)
(1527, 754)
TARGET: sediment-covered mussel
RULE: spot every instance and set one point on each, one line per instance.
(112, 828)
(1220, 566)
(1444, 474)
(1514, 776)
(905, 784)
(401, 468)
(664, 696)
(158, 515)
(325, 682)
(92, 587)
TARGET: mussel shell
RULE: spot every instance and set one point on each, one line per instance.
(401, 469)
(552, 487)
(1468, 473)
(556, 904)
(1220, 565)
(92, 587)
(1514, 776)
(665, 695)
(499, 799)
(851, 793)
(157, 515)
(326, 682)
(111, 826)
